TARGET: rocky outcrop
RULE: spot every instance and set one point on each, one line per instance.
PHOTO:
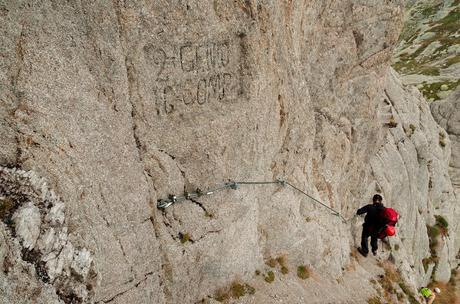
(447, 114)
(411, 170)
(41, 248)
(118, 104)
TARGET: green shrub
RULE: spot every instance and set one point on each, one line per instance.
(441, 221)
(269, 277)
(284, 270)
(236, 290)
(303, 272)
(184, 237)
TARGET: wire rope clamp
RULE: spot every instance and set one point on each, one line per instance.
(232, 185)
(281, 181)
(164, 203)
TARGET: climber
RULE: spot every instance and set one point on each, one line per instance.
(373, 224)
(428, 295)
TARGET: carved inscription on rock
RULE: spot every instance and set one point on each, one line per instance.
(193, 74)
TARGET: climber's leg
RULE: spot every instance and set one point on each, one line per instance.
(364, 241)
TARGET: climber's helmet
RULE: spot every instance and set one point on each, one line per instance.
(437, 290)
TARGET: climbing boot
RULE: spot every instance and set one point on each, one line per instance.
(360, 250)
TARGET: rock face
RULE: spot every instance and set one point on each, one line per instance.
(447, 114)
(118, 104)
(411, 169)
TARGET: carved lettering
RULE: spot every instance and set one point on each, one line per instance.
(187, 58)
(169, 98)
(201, 94)
(194, 74)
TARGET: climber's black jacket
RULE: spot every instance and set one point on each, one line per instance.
(373, 217)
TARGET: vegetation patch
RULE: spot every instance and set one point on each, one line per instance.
(236, 290)
(442, 223)
(431, 90)
(430, 260)
(269, 277)
(281, 261)
(283, 264)
(442, 143)
(433, 234)
(208, 215)
(453, 60)
(184, 237)
(374, 300)
(392, 123)
(448, 293)
(429, 11)
(428, 49)
(271, 262)
(429, 71)
(412, 129)
(410, 295)
(303, 272)
(390, 279)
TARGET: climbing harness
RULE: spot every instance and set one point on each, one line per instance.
(172, 199)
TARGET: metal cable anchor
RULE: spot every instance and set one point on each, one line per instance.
(165, 203)
(232, 185)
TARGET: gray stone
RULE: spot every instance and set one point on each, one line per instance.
(27, 224)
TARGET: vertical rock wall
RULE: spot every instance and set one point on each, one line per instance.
(411, 170)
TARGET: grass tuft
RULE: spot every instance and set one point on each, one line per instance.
(303, 272)
(271, 262)
(269, 277)
(184, 237)
(236, 290)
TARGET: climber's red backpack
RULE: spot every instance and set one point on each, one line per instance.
(390, 218)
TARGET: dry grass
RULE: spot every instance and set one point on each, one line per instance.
(392, 123)
(374, 300)
(388, 281)
(271, 262)
(269, 277)
(236, 290)
(282, 261)
(447, 295)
